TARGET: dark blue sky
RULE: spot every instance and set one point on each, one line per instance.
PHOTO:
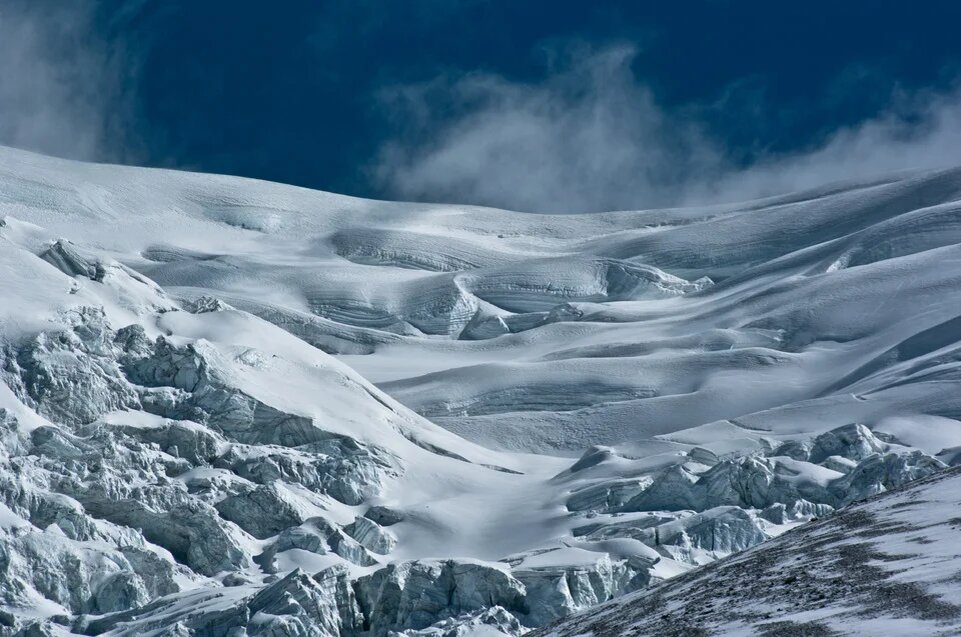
(319, 93)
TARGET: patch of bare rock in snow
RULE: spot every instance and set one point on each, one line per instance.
(884, 566)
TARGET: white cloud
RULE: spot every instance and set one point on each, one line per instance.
(592, 138)
(61, 90)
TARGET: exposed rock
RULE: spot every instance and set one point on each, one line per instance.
(882, 566)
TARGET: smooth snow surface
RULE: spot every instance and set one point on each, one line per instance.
(235, 405)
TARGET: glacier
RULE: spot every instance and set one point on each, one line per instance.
(232, 407)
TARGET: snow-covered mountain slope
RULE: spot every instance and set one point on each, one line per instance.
(233, 405)
(602, 328)
(886, 566)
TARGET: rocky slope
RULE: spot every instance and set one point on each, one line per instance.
(886, 566)
(217, 396)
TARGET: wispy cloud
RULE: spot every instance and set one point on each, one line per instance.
(62, 91)
(591, 137)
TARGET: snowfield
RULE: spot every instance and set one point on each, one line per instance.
(231, 407)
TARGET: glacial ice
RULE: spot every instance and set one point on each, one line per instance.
(215, 421)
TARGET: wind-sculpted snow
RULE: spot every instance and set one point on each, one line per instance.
(187, 449)
(418, 251)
